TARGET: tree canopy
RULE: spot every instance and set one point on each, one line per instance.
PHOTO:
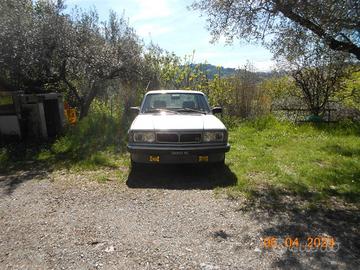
(335, 22)
(43, 49)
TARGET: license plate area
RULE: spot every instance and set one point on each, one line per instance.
(203, 158)
(179, 153)
(154, 159)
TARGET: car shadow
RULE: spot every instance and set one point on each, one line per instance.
(183, 176)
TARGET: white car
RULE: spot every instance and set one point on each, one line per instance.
(177, 126)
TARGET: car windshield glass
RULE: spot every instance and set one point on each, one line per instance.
(179, 102)
(189, 110)
(154, 110)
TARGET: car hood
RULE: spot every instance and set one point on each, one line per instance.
(176, 122)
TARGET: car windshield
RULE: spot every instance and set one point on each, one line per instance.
(175, 102)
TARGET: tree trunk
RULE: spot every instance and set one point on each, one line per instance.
(127, 104)
(86, 102)
(84, 110)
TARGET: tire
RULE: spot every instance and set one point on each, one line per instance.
(220, 164)
(134, 165)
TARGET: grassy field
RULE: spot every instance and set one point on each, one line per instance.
(315, 161)
(308, 160)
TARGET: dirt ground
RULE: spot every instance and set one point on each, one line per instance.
(162, 218)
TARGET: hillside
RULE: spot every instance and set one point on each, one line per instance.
(212, 70)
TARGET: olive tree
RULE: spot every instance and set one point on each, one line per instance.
(43, 49)
(32, 44)
(335, 23)
(99, 54)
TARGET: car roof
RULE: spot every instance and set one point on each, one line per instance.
(174, 92)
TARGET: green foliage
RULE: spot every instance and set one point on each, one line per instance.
(350, 95)
(95, 141)
(230, 121)
(317, 161)
(101, 178)
(279, 87)
(344, 127)
(92, 133)
(49, 50)
(221, 91)
(91, 141)
(264, 122)
(287, 27)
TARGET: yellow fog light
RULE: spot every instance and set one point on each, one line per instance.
(154, 158)
(203, 158)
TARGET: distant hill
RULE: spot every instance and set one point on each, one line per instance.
(212, 70)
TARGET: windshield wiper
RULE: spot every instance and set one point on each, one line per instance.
(160, 110)
(190, 110)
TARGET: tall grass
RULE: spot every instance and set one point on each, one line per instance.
(97, 140)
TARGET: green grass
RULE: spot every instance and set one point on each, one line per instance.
(267, 156)
(95, 142)
(309, 160)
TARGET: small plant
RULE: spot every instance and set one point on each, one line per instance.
(101, 178)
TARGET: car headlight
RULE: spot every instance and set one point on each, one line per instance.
(143, 136)
(214, 136)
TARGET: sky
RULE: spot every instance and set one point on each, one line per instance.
(171, 25)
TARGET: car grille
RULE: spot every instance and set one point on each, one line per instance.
(167, 137)
(190, 137)
(178, 138)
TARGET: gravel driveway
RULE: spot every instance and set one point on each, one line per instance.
(168, 218)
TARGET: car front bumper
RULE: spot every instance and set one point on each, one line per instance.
(159, 153)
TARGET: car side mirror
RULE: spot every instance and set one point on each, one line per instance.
(135, 109)
(216, 110)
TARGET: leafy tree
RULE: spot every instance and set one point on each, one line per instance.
(42, 49)
(100, 54)
(318, 74)
(335, 22)
(32, 44)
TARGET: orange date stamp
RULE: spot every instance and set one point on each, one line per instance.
(307, 244)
